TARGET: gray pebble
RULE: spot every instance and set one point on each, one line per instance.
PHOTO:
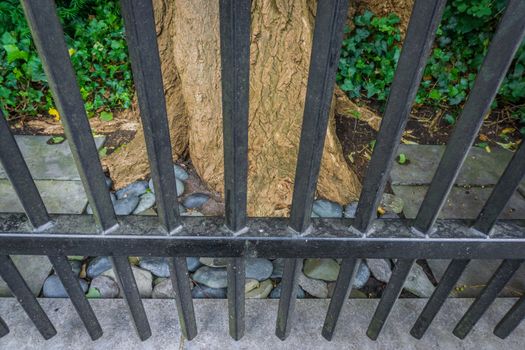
(146, 201)
(195, 200)
(98, 266)
(134, 189)
(53, 287)
(327, 209)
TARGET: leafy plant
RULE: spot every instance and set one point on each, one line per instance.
(372, 47)
(95, 37)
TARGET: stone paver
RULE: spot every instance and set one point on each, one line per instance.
(462, 203)
(48, 162)
(60, 197)
(34, 269)
(476, 276)
(55, 175)
(212, 323)
(480, 168)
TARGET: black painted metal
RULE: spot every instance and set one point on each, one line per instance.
(496, 284)
(434, 304)
(180, 279)
(342, 290)
(50, 43)
(236, 236)
(74, 290)
(4, 330)
(503, 191)
(503, 46)
(144, 54)
(128, 285)
(235, 62)
(16, 169)
(390, 295)
(511, 320)
(326, 47)
(20, 177)
(421, 31)
(25, 297)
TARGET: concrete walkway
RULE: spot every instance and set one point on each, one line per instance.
(260, 327)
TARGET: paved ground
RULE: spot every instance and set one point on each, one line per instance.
(260, 327)
(475, 182)
(55, 174)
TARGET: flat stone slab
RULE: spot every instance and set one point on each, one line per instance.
(462, 203)
(476, 276)
(48, 162)
(60, 197)
(212, 323)
(480, 168)
(34, 269)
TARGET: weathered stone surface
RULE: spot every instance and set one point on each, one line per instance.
(34, 269)
(276, 292)
(309, 315)
(212, 277)
(106, 286)
(163, 290)
(60, 197)
(157, 266)
(476, 276)
(321, 269)
(316, 288)
(278, 268)
(261, 292)
(250, 285)
(204, 292)
(98, 265)
(214, 262)
(380, 269)
(48, 162)
(259, 269)
(391, 203)
(53, 287)
(462, 203)
(143, 278)
(480, 168)
(418, 283)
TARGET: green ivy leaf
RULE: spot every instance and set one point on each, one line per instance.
(14, 53)
(106, 116)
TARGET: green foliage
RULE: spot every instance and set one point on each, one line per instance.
(369, 55)
(95, 38)
(371, 50)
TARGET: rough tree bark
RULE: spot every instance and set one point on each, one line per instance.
(188, 36)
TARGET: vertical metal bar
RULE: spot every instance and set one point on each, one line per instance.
(50, 43)
(502, 192)
(390, 295)
(434, 304)
(18, 172)
(424, 21)
(235, 62)
(180, 280)
(292, 269)
(16, 169)
(78, 298)
(236, 284)
(25, 297)
(503, 46)
(4, 330)
(143, 49)
(496, 284)
(511, 320)
(342, 290)
(328, 34)
(128, 285)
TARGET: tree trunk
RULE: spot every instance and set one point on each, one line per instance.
(280, 53)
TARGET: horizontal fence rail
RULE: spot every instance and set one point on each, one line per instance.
(237, 236)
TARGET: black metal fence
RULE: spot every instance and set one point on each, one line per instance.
(236, 236)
